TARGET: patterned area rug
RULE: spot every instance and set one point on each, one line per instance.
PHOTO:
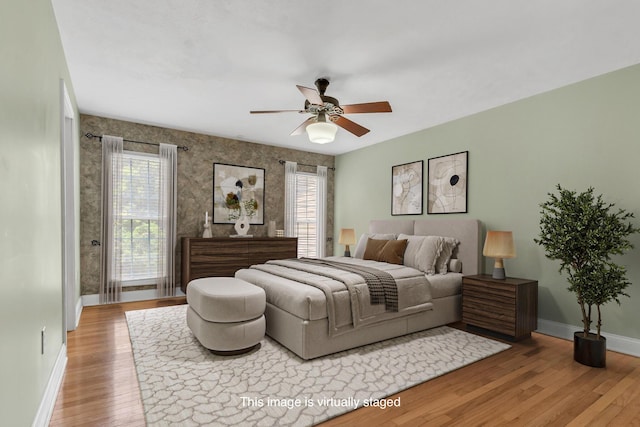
(183, 384)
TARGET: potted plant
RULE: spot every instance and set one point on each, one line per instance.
(583, 233)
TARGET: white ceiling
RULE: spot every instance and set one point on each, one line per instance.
(201, 65)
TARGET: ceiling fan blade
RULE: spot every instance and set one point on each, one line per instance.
(369, 107)
(312, 95)
(300, 129)
(347, 124)
(275, 111)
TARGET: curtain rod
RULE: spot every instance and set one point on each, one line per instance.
(90, 135)
(282, 162)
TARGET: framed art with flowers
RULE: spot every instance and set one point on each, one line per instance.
(237, 191)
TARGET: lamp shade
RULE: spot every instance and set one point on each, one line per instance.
(322, 132)
(499, 244)
(347, 236)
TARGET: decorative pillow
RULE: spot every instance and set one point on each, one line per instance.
(427, 256)
(449, 245)
(413, 246)
(455, 265)
(374, 248)
(391, 251)
(362, 243)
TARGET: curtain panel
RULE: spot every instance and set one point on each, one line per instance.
(290, 169)
(321, 210)
(166, 275)
(110, 269)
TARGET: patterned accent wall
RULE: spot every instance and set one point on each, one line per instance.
(195, 182)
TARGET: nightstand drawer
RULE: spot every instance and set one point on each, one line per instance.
(480, 295)
(488, 308)
(503, 325)
(490, 288)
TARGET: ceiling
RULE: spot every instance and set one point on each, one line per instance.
(201, 65)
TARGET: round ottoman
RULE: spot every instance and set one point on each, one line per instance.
(226, 314)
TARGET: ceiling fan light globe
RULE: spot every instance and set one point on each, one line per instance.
(322, 132)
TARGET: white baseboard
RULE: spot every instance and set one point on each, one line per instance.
(615, 342)
(94, 299)
(48, 402)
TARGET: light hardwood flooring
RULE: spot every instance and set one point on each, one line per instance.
(535, 383)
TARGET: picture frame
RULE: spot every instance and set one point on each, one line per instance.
(447, 183)
(407, 188)
(238, 190)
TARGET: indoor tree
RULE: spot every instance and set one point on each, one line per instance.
(583, 233)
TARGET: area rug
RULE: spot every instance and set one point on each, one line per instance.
(183, 384)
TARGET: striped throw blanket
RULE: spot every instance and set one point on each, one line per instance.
(382, 286)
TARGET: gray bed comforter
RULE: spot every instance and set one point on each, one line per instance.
(346, 294)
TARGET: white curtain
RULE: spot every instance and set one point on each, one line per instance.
(321, 210)
(290, 169)
(166, 276)
(110, 271)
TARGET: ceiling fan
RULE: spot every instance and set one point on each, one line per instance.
(326, 112)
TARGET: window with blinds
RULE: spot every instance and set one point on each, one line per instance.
(306, 214)
(137, 220)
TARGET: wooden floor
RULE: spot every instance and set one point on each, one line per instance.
(535, 383)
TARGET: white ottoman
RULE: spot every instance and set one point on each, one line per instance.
(226, 314)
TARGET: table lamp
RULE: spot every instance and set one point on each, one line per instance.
(499, 245)
(347, 237)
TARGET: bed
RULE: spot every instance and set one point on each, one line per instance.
(319, 307)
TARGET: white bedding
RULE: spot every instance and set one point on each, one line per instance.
(313, 292)
(297, 314)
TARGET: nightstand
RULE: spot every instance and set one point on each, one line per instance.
(508, 306)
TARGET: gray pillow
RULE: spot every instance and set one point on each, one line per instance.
(449, 245)
(455, 265)
(428, 254)
(413, 246)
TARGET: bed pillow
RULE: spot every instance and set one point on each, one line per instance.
(391, 251)
(449, 245)
(455, 266)
(362, 243)
(413, 246)
(430, 251)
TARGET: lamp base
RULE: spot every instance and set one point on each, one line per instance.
(498, 273)
(347, 251)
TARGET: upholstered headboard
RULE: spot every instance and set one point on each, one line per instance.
(467, 231)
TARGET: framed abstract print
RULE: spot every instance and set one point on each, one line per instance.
(237, 191)
(406, 188)
(447, 183)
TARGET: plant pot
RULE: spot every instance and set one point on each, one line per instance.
(590, 350)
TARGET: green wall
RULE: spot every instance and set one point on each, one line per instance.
(32, 66)
(586, 134)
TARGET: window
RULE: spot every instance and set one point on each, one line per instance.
(306, 214)
(137, 219)
(306, 209)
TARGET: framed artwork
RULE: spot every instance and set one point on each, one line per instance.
(237, 191)
(406, 188)
(447, 183)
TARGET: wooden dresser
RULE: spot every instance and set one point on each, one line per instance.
(508, 306)
(223, 256)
